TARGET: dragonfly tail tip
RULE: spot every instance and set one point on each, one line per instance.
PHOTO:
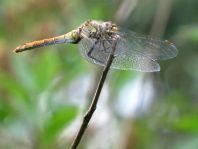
(17, 50)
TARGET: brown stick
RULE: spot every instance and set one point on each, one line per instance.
(93, 105)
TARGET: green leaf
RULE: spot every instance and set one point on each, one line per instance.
(58, 120)
(188, 123)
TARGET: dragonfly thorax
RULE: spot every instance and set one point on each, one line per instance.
(98, 29)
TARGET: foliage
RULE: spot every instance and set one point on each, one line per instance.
(36, 108)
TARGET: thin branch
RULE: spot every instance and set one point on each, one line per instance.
(126, 8)
(93, 105)
(161, 17)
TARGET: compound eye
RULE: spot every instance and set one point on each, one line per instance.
(93, 30)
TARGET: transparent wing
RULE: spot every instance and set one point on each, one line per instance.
(153, 48)
(133, 51)
(124, 61)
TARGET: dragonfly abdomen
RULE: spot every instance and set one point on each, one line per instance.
(71, 37)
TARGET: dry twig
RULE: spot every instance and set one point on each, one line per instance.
(93, 105)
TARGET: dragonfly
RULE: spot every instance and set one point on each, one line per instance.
(133, 51)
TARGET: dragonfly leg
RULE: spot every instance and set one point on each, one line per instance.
(105, 49)
(110, 42)
(91, 50)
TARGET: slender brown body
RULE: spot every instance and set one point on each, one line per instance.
(133, 50)
(71, 37)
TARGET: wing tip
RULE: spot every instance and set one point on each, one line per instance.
(173, 49)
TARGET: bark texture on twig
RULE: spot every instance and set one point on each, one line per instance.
(93, 105)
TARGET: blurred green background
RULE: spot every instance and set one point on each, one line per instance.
(44, 93)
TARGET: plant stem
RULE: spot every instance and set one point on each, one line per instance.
(93, 105)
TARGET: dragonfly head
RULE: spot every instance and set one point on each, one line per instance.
(109, 27)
